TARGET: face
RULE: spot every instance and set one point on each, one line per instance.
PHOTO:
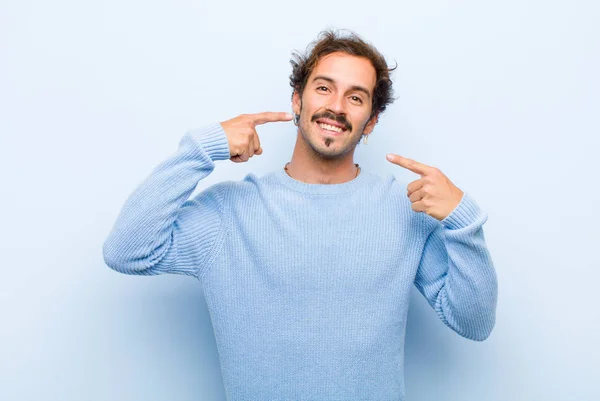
(335, 107)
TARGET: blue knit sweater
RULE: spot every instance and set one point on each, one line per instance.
(307, 285)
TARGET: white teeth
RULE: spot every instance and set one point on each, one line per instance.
(330, 127)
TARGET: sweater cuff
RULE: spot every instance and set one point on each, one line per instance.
(465, 213)
(213, 140)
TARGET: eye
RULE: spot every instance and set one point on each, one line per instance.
(322, 87)
(356, 99)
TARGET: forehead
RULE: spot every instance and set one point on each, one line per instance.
(346, 70)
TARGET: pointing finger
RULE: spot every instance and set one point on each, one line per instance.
(414, 166)
(271, 117)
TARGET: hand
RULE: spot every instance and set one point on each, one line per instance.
(433, 193)
(241, 133)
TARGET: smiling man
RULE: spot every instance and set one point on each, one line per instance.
(307, 270)
(339, 90)
(335, 110)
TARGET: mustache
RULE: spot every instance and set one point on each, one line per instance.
(339, 119)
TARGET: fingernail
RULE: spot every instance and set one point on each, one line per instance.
(389, 157)
(289, 115)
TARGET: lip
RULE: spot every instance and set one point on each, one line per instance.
(331, 122)
(330, 132)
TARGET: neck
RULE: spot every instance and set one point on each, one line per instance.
(308, 166)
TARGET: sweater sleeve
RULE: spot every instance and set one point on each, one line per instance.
(456, 273)
(158, 229)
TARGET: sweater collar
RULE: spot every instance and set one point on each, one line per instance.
(320, 189)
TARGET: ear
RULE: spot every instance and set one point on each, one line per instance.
(296, 102)
(371, 124)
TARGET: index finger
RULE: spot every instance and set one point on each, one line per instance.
(412, 165)
(271, 117)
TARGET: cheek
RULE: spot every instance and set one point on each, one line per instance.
(359, 120)
(312, 104)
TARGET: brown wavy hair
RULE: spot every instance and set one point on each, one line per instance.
(330, 41)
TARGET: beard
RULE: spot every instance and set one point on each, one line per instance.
(329, 146)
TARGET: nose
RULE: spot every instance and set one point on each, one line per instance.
(337, 104)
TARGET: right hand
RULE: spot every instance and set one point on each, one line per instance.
(241, 133)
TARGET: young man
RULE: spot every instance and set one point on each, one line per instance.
(307, 270)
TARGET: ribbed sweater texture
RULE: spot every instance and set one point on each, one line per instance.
(307, 285)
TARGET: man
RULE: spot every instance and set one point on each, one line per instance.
(307, 270)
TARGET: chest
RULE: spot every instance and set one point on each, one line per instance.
(339, 245)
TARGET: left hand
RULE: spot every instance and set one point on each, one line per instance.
(433, 193)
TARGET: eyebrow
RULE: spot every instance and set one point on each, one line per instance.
(354, 87)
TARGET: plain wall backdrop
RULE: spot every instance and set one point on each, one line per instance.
(501, 96)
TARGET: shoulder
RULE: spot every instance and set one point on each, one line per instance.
(394, 194)
(251, 185)
(228, 190)
(387, 185)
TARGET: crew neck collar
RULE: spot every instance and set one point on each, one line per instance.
(320, 189)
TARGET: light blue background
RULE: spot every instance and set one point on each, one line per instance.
(501, 96)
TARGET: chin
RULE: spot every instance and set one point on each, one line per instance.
(339, 146)
(332, 152)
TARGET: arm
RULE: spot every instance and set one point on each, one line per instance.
(456, 274)
(158, 229)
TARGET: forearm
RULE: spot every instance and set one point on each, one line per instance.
(458, 275)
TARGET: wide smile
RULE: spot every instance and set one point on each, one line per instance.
(330, 129)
